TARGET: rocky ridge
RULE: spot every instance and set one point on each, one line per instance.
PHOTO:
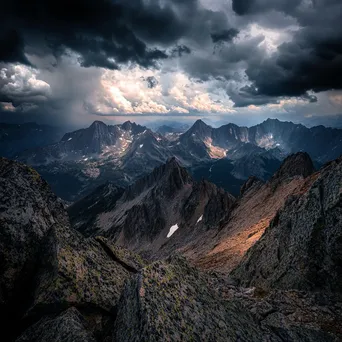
(301, 247)
(88, 289)
(143, 216)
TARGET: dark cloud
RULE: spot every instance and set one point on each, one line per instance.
(311, 61)
(243, 7)
(224, 36)
(224, 64)
(180, 50)
(12, 47)
(105, 33)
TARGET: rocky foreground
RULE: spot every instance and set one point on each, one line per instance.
(58, 285)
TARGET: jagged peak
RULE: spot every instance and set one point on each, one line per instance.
(200, 128)
(128, 125)
(199, 125)
(297, 164)
(200, 122)
(170, 176)
(98, 123)
(271, 120)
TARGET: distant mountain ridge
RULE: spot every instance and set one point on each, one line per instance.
(87, 158)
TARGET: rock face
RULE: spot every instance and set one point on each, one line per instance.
(252, 213)
(83, 213)
(28, 212)
(57, 285)
(251, 183)
(87, 158)
(142, 217)
(172, 301)
(299, 164)
(69, 326)
(47, 267)
(301, 248)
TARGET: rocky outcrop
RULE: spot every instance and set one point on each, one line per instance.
(172, 301)
(57, 285)
(28, 211)
(298, 164)
(301, 249)
(47, 267)
(169, 178)
(69, 326)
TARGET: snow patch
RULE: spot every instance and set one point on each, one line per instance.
(69, 139)
(200, 219)
(141, 145)
(172, 230)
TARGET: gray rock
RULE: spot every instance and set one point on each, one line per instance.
(301, 249)
(171, 301)
(69, 326)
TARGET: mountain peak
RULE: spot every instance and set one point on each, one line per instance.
(298, 164)
(169, 177)
(97, 123)
(199, 129)
(200, 123)
(172, 162)
(132, 126)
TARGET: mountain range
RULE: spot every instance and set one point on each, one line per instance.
(226, 156)
(169, 258)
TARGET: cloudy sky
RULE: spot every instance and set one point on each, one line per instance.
(72, 62)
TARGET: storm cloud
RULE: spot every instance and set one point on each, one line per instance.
(69, 59)
(311, 61)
